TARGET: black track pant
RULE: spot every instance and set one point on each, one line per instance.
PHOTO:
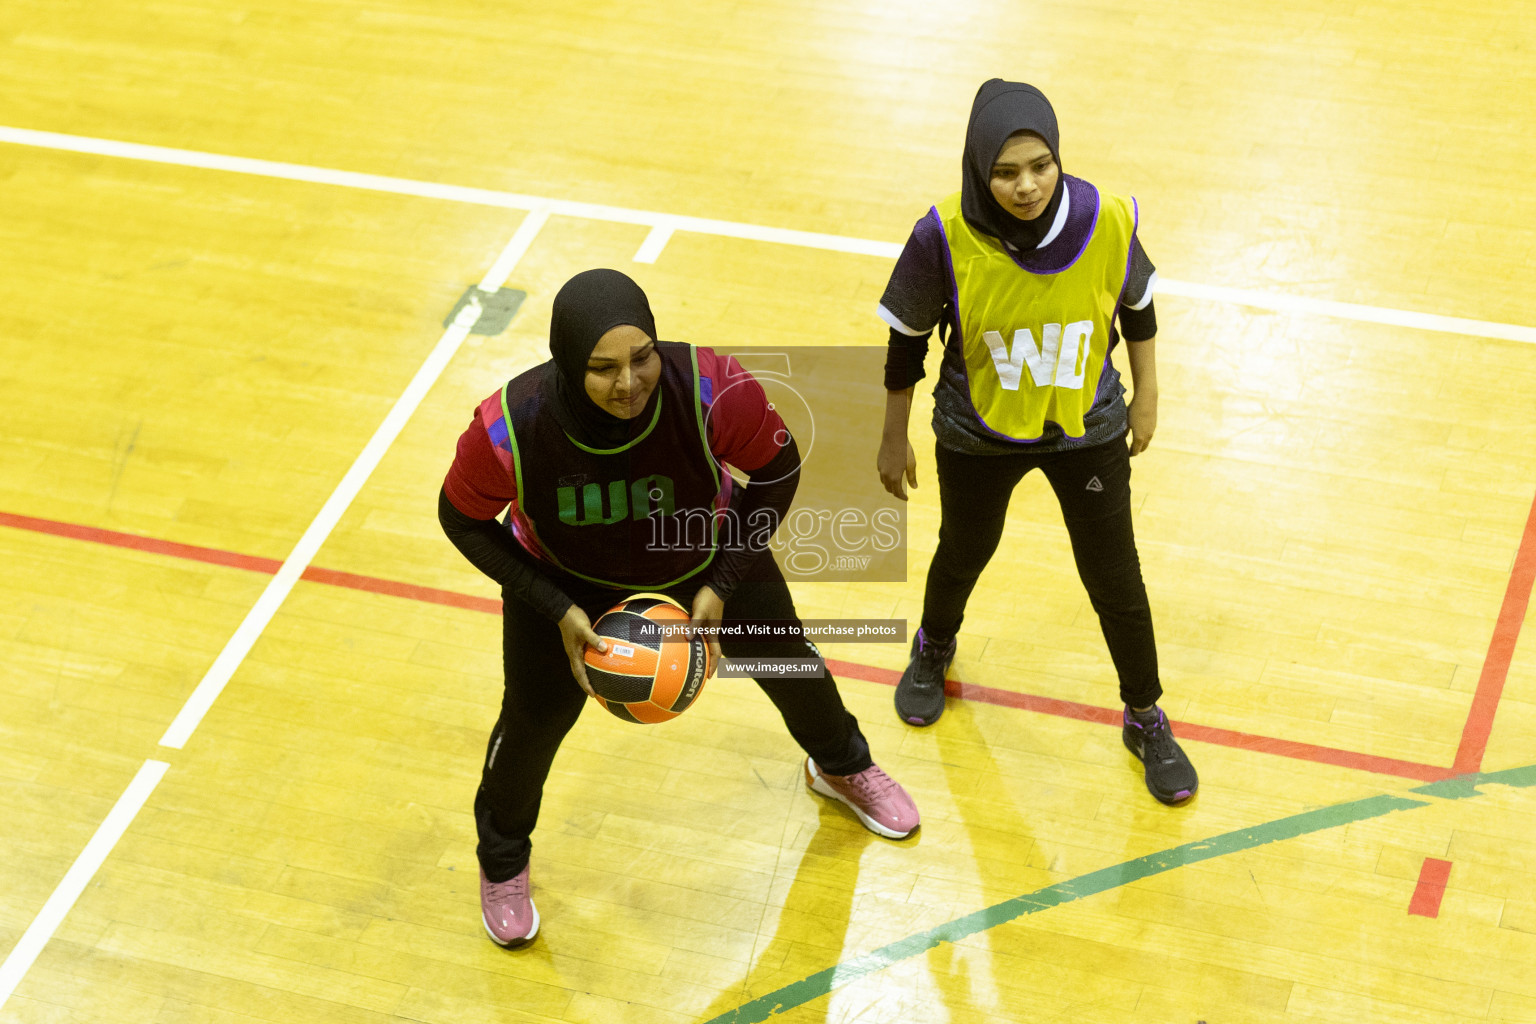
(542, 702)
(1094, 488)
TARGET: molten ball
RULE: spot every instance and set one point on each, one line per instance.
(645, 675)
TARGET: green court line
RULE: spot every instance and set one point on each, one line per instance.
(823, 982)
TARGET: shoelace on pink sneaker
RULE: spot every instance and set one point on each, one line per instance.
(872, 783)
(513, 887)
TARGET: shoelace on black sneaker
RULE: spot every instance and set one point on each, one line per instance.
(931, 657)
(1157, 741)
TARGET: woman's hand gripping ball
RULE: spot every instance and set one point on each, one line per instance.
(576, 635)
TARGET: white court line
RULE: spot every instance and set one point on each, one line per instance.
(728, 229)
(1348, 311)
(278, 588)
(78, 877)
(432, 190)
(654, 242)
(37, 935)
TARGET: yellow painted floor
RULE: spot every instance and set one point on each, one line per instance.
(1335, 519)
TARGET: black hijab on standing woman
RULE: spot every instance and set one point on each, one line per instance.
(587, 307)
(1000, 109)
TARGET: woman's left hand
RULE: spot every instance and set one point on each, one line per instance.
(708, 609)
(1143, 417)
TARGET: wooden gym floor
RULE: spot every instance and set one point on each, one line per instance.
(231, 233)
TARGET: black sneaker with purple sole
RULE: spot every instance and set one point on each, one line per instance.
(920, 693)
(1170, 776)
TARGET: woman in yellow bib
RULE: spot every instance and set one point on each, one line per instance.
(1032, 276)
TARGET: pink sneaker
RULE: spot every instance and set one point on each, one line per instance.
(507, 910)
(879, 801)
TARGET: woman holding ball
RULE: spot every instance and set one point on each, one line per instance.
(592, 452)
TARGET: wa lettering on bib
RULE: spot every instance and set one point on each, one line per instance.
(1055, 326)
(622, 498)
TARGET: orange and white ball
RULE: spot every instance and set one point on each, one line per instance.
(641, 677)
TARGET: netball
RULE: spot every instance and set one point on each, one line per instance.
(644, 677)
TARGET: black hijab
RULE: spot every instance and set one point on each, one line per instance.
(1000, 109)
(587, 307)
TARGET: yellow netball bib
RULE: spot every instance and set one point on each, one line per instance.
(1035, 345)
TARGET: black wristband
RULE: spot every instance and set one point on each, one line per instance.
(904, 356)
(1138, 324)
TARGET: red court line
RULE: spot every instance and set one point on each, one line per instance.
(373, 584)
(1185, 730)
(1431, 888)
(853, 670)
(214, 556)
(1501, 651)
(134, 542)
